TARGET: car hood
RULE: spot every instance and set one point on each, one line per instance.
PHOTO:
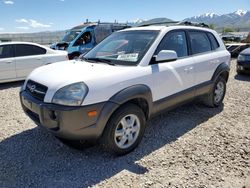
(94, 75)
(67, 72)
(245, 52)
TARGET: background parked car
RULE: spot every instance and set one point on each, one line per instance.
(243, 62)
(236, 48)
(84, 37)
(18, 59)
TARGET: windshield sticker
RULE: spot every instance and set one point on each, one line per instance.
(128, 57)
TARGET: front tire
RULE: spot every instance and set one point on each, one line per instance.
(124, 130)
(216, 96)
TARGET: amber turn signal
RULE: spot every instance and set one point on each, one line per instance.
(92, 113)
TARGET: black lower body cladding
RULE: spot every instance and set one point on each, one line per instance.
(68, 122)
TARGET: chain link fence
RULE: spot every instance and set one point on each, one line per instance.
(44, 38)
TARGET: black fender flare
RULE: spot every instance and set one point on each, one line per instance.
(223, 67)
(117, 100)
(139, 91)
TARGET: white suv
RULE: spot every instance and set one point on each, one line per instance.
(130, 76)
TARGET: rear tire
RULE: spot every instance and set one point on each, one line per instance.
(124, 130)
(216, 96)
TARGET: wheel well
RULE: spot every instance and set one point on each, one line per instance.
(225, 75)
(74, 54)
(142, 103)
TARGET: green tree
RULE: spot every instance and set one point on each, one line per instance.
(211, 26)
(227, 30)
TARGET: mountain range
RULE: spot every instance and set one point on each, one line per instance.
(239, 20)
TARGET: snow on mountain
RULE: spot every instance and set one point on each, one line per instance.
(138, 20)
(240, 12)
(210, 15)
(237, 19)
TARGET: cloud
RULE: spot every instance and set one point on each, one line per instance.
(22, 21)
(62, 0)
(33, 23)
(36, 24)
(23, 28)
(1, 29)
(8, 2)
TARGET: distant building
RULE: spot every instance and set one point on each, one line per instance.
(43, 38)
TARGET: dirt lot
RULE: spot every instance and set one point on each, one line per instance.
(191, 146)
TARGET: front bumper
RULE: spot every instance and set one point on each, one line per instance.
(243, 66)
(68, 122)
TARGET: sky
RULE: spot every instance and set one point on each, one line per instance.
(52, 15)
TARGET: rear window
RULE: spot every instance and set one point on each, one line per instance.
(27, 50)
(213, 40)
(199, 42)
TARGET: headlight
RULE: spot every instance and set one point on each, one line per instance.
(71, 95)
(241, 58)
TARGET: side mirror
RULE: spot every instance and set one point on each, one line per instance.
(166, 55)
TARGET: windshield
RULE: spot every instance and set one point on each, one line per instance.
(71, 35)
(123, 48)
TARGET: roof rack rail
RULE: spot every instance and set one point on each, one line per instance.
(107, 23)
(193, 24)
(99, 23)
(171, 23)
(159, 23)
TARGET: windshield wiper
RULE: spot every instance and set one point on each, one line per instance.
(97, 60)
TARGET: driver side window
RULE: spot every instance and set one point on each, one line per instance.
(175, 41)
(84, 39)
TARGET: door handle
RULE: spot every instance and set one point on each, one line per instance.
(9, 62)
(214, 61)
(38, 58)
(188, 69)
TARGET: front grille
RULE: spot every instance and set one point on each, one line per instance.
(36, 90)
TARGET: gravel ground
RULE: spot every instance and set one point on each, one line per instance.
(191, 146)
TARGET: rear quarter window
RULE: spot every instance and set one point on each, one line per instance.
(213, 40)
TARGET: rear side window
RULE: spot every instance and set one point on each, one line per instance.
(213, 40)
(199, 42)
(27, 50)
(175, 41)
(6, 51)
